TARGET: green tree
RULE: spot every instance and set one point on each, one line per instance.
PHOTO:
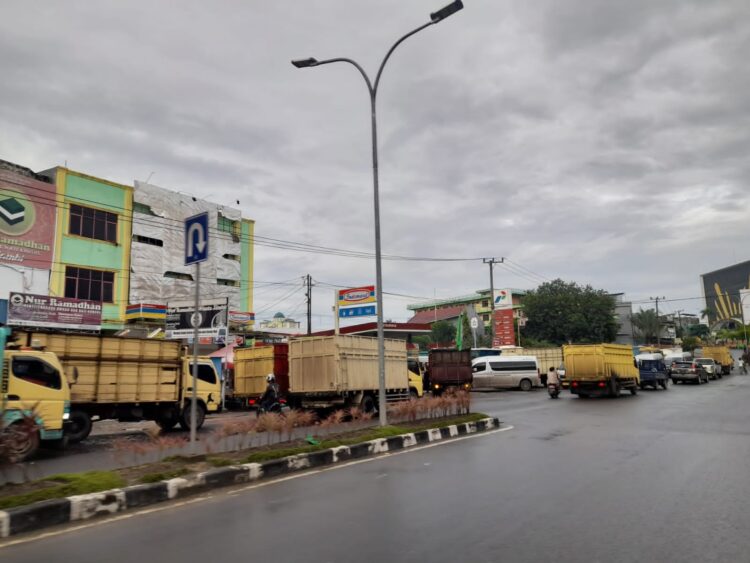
(690, 343)
(423, 341)
(561, 312)
(700, 330)
(443, 333)
(646, 323)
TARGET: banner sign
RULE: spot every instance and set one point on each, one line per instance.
(42, 311)
(182, 318)
(503, 299)
(357, 296)
(27, 221)
(241, 318)
(505, 334)
(367, 311)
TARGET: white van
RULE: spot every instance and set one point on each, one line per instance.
(505, 372)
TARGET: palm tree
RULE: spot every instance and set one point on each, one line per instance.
(647, 324)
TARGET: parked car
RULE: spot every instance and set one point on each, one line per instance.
(712, 368)
(506, 372)
(688, 371)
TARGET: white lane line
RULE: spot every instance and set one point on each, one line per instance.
(214, 496)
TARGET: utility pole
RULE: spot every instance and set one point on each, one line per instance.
(658, 321)
(491, 262)
(679, 321)
(308, 281)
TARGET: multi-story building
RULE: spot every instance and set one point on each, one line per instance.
(159, 274)
(449, 309)
(624, 319)
(92, 242)
(279, 320)
(68, 234)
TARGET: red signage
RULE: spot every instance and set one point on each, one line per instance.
(27, 221)
(42, 311)
(505, 334)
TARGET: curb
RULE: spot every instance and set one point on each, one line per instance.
(83, 507)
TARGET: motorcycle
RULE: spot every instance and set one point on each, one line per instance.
(554, 390)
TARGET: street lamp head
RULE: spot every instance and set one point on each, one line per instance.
(449, 10)
(304, 63)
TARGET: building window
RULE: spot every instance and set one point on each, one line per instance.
(231, 227)
(142, 208)
(486, 303)
(93, 223)
(232, 283)
(178, 276)
(95, 285)
(485, 318)
(234, 257)
(148, 240)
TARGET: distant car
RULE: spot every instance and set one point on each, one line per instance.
(712, 368)
(506, 372)
(688, 371)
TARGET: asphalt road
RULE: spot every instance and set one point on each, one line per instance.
(657, 477)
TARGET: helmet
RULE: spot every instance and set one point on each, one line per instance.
(270, 378)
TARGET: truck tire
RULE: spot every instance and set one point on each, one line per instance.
(614, 388)
(413, 395)
(200, 416)
(664, 384)
(80, 427)
(634, 389)
(21, 443)
(166, 424)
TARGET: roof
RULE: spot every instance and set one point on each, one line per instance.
(389, 328)
(471, 298)
(434, 315)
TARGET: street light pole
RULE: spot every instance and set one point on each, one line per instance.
(372, 88)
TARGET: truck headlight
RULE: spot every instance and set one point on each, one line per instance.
(66, 416)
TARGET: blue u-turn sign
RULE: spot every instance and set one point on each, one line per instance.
(196, 238)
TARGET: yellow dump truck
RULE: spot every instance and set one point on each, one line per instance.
(721, 355)
(600, 369)
(129, 379)
(33, 386)
(342, 371)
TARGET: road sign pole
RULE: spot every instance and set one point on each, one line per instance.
(194, 397)
(336, 312)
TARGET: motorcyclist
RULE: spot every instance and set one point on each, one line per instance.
(271, 394)
(553, 378)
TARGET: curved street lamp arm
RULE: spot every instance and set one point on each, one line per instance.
(351, 62)
(393, 48)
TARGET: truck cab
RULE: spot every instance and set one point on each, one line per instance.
(34, 385)
(208, 390)
(652, 370)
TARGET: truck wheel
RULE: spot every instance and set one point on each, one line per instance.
(166, 424)
(80, 427)
(664, 384)
(614, 388)
(634, 390)
(367, 404)
(21, 443)
(413, 395)
(200, 416)
(525, 385)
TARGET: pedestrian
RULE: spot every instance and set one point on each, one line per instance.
(741, 364)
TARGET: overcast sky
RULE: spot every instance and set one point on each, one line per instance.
(600, 142)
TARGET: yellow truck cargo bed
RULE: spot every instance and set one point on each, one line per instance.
(332, 364)
(546, 357)
(598, 369)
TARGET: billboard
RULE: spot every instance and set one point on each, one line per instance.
(503, 299)
(210, 318)
(42, 311)
(357, 296)
(27, 221)
(721, 291)
(505, 334)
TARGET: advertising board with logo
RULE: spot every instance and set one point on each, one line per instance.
(210, 318)
(27, 221)
(42, 311)
(241, 318)
(722, 288)
(503, 299)
(357, 302)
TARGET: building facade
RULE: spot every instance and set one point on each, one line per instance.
(92, 242)
(279, 320)
(449, 309)
(159, 274)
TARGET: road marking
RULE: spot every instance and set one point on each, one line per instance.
(234, 492)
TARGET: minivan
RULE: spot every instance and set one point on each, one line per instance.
(505, 372)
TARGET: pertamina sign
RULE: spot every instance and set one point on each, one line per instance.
(27, 221)
(42, 311)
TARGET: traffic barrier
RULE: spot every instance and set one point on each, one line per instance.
(82, 507)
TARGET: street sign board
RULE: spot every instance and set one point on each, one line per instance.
(196, 238)
(364, 311)
(357, 296)
(474, 323)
